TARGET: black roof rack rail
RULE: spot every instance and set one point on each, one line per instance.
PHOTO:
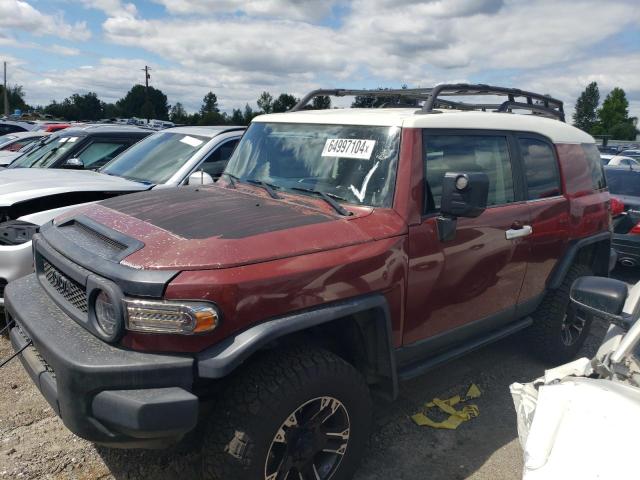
(517, 99)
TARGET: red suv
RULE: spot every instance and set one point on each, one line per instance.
(343, 251)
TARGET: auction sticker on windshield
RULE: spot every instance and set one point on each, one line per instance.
(189, 140)
(348, 148)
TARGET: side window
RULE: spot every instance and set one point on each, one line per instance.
(541, 169)
(99, 153)
(592, 155)
(467, 153)
(215, 164)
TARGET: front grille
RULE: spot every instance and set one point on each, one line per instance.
(47, 368)
(69, 289)
(3, 283)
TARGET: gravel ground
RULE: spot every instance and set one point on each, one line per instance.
(34, 444)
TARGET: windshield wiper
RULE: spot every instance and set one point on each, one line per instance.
(327, 197)
(232, 177)
(270, 189)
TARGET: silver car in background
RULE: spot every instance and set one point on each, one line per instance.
(31, 197)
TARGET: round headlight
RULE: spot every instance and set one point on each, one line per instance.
(106, 313)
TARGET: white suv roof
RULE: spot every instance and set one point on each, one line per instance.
(555, 130)
(445, 106)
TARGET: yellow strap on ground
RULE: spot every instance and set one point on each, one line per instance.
(456, 417)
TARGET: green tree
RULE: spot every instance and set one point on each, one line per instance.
(110, 110)
(178, 114)
(15, 95)
(209, 104)
(322, 102)
(613, 117)
(249, 114)
(133, 103)
(236, 117)
(77, 107)
(284, 103)
(585, 116)
(265, 102)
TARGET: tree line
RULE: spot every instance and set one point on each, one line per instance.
(611, 119)
(153, 104)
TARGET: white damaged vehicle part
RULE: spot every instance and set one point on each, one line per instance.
(580, 420)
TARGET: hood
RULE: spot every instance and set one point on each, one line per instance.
(7, 157)
(22, 184)
(217, 227)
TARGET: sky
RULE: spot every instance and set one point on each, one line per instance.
(239, 48)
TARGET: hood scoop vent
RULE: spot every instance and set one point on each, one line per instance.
(98, 239)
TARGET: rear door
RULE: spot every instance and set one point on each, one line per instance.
(549, 212)
(475, 278)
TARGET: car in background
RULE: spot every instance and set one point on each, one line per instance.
(619, 161)
(88, 147)
(169, 158)
(12, 126)
(581, 419)
(624, 188)
(13, 142)
(52, 126)
(633, 153)
(608, 149)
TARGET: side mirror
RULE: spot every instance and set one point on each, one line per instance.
(603, 297)
(200, 178)
(463, 195)
(73, 164)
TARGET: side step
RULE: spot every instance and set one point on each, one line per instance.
(418, 368)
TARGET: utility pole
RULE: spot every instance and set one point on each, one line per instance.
(6, 95)
(147, 103)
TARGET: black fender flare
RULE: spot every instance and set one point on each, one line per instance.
(562, 267)
(223, 358)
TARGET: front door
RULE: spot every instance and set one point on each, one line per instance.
(476, 277)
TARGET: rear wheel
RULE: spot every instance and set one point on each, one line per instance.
(559, 329)
(303, 414)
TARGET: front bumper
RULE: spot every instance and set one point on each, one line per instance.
(628, 248)
(16, 261)
(103, 393)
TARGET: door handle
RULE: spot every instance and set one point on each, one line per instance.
(512, 233)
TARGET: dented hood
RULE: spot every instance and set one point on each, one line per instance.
(21, 184)
(216, 227)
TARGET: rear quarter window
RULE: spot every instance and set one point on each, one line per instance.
(594, 163)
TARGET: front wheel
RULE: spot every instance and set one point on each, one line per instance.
(301, 414)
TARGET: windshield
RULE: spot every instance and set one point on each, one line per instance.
(156, 158)
(623, 181)
(356, 164)
(47, 154)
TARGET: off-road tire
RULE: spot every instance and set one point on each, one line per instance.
(262, 395)
(545, 335)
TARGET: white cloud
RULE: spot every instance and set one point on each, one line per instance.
(19, 15)
(289, 9)
(237, 48)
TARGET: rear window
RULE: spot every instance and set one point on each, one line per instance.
(594, 164)
(623, 181)
(541, 169)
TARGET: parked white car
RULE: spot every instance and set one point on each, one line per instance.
(581, 420)
(31, 197)
(618, 160)
(12, 144)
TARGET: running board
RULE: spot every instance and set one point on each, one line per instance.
(418, 368)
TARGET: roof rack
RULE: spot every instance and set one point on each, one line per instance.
(517, 99)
